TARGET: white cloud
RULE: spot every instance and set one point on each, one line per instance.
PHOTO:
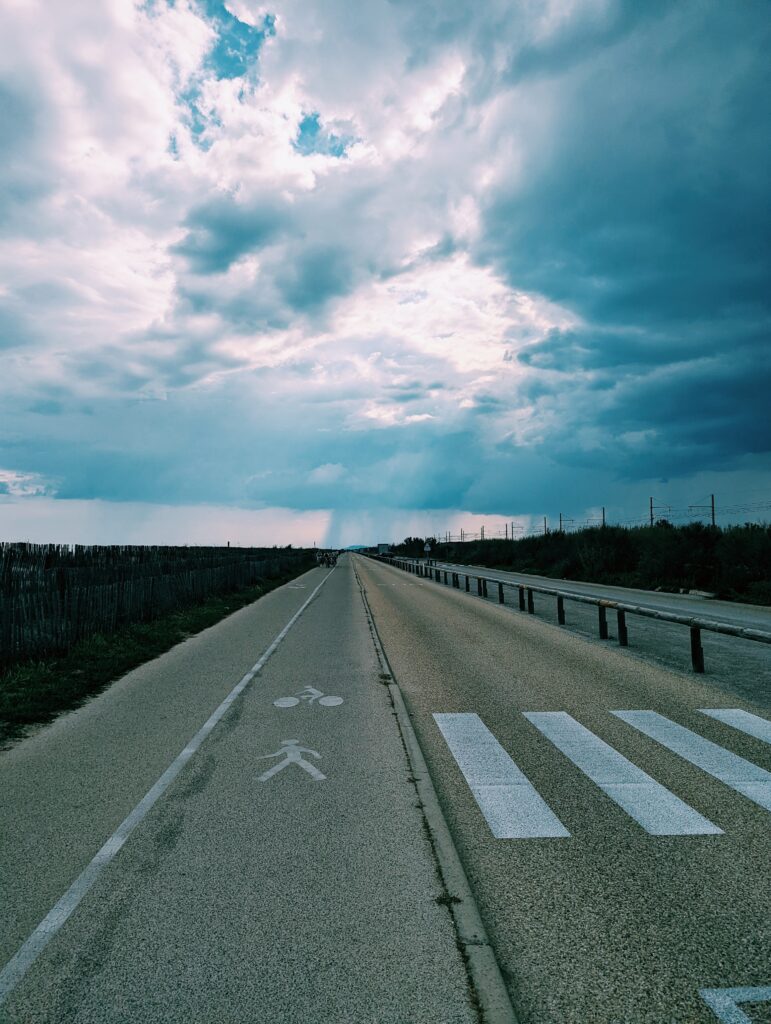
(23, 485)
(329, 473)
(165, 237)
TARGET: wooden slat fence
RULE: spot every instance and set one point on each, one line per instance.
(51, 596)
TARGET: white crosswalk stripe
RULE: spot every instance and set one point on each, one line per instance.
(514, 809)
(659, 812)
(511, 806)
(752, 725)
(742, 776)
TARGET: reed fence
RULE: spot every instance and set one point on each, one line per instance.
(52, 596)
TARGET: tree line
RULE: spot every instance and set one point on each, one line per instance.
(733, 562)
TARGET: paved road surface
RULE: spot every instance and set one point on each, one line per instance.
(751, 616)
(595, 912)
(741, 666)
(290, 899)
(615, 834)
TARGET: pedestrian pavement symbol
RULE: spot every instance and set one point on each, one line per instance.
(292, 753)
(310, 695)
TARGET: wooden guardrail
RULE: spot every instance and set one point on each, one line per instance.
(622, 608)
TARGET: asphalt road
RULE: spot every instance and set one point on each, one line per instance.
(267, 882)
(751, 616)
(740, 666)
(616, 837)
(609, 895)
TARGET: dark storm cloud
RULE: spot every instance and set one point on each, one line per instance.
(16, 330)
(222, 230)
(319, 273)
(649, 216)
(25, 173)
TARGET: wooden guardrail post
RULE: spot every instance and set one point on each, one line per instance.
(603, 617)
(697, 651)
(561, 610)
(484, 587)
(445, 577)
(521, 598)
(530, 601)
(623, 636)
(468, 583)
(479, 586)
(500, 593)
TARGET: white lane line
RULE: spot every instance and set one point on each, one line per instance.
(511, 806)
(28, 953)
(725, 1002)
(659, 812)
(753, 725)
(742, 776)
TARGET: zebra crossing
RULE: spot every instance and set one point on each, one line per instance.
(514, 809)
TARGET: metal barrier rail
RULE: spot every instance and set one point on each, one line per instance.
(526, 602)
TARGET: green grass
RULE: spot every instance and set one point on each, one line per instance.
(35, 692)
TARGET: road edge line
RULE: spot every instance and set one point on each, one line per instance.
(482, 966)
(24, 958)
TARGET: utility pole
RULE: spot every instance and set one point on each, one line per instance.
(651, 511)
(603, 516)
(560, 522)
(712, 496)
(545, 530)
(506, 528)
(482, 534)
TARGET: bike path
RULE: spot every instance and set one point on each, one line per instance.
(64, 790)
(250, 893)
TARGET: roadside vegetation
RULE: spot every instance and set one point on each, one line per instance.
(34, 691)
(734, 563)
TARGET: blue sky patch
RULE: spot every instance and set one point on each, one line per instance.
(197, 119)
(238, 44)
(312, 138)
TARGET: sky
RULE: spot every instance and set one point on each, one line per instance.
(315, 271)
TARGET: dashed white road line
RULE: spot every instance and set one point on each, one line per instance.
(753, 725)
(660, 812)
(742, 776)
(510, 803)
(21, 962)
